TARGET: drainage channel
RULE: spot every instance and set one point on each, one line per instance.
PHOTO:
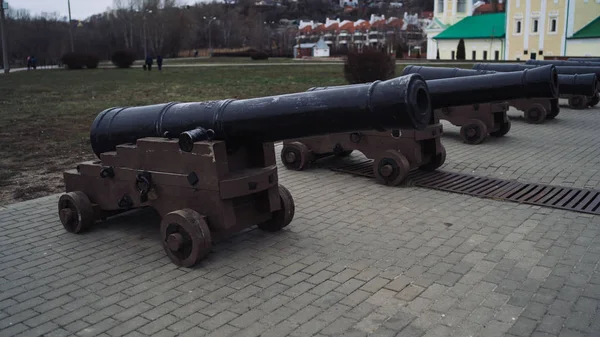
(567, 198)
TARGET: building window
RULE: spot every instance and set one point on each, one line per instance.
(440, 6)
(474, 55)
(552, 25)
(535, 26)
(496, 55)
(461, 6)
(485, 55)
(518, 27)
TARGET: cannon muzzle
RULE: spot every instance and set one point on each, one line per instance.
(578, 84)
(539, 82)
(564, 63)
(401, 102)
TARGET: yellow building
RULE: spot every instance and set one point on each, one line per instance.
(540, 28)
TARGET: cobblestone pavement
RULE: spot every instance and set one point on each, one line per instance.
(358, 259)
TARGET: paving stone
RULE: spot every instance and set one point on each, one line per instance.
(570, 333)
(550, 324)
(520, 298)
(534, 310)
(409, 292)
(157, 325)
(523, 327)
(399, 321)
(399, 283)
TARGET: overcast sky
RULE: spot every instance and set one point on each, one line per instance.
(80, 9)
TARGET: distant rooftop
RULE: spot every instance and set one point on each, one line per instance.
(485, 26)
(591, 30)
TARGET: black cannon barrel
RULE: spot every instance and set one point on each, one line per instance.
(478, 88)
(578, 84)
(435, 73)
(502, 67)
(582, 84)
(563, 63)
(401, 102)
(539, 82)
(565, 70)
(590, 59)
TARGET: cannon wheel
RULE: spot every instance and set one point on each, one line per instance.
(185, 237)
(438, 160)
(554, 110)
(75, 212)
(503, 130)
(578, 102)
(594, 100)
(536, 114)
(296, 156)
(474, 132)
(391, 168)
(282, 217)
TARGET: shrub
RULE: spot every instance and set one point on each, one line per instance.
(123, 58)
(76, 60)
(368, 66)
(259, 55)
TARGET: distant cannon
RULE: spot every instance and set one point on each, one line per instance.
(492, 113)
(398, 152)
(209, 168)
(563, 63)
(589, 59)
(575, 101)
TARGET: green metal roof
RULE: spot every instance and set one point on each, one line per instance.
(591, 30)
(484, 26)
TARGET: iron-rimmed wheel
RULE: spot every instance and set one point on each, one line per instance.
(185, 237)
(594, 100)
(437, 161)
(75, 212)
(283, 216)
(391, 168)
(554, 109)
(296, 156)
(535, 114)
(504, 128)
(474, 132)
(578, 102)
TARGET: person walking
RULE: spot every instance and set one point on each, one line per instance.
(149, 62)
(159, 62)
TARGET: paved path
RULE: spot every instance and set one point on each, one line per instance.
(358, 259)
(244, 64)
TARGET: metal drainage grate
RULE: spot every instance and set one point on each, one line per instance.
(567, 198)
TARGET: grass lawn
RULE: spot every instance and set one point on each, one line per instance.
(45, 116)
